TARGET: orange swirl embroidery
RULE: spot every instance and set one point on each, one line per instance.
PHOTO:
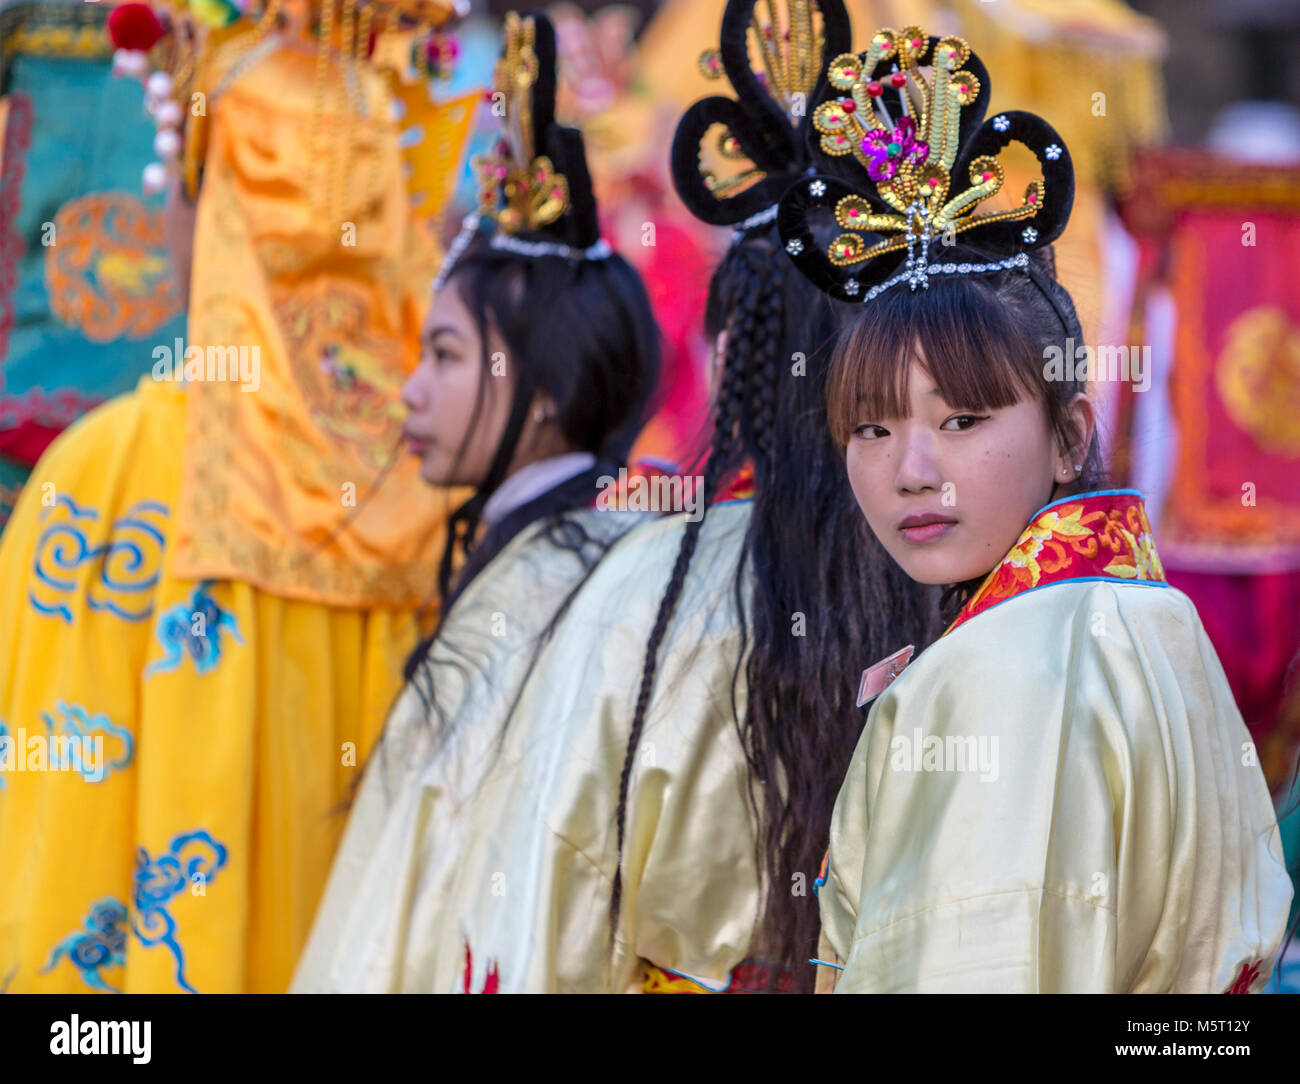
(109, 275)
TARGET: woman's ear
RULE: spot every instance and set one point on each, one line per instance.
(1081, 422)
(544, 408)
(542, 436)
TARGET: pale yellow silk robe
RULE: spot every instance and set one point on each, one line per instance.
(484, 862)
(1058, 796)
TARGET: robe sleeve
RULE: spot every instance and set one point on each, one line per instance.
(690, 871)
(690, 880)
(1036, 805)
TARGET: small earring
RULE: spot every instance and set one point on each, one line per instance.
(1078, 468)
(540, 414)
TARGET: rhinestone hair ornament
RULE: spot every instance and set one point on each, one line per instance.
(534, 186)
(732, 158)
(908, 162)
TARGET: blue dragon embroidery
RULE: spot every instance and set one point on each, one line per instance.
(158, 880)
(194, 628)
(126, 565)
(79, 724)
(100, 944)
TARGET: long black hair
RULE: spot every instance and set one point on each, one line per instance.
(824, 599)
(582, 331)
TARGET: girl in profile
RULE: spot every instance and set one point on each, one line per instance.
(540, 353)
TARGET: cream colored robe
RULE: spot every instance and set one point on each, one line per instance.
(1123, 839)
(484, 862)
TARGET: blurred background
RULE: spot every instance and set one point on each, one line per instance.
(1182, 116)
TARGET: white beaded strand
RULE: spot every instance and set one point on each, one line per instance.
(913, 276)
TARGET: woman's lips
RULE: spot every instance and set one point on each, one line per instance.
(415, 445)
(927, 527)
(928, 533)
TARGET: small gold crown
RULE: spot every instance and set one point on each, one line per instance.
(518, 189)
(791, 54)
(910, 160)
(433, 13)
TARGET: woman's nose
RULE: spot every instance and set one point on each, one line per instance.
(413, 395)
(918, 467)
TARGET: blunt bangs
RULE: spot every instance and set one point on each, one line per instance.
(961, 333)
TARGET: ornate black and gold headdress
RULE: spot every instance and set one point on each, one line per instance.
(908, 167)
(756, 137)
(534, 186)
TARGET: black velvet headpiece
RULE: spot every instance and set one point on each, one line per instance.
(905, 164)
(536, 184)
(761, 127)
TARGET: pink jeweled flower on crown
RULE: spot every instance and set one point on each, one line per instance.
(888, 150)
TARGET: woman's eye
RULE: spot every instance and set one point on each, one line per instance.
(870, 432)
(960, 422)
(441, 356)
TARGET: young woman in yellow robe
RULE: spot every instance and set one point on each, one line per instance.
(210, 586)
(1059, 795)
(541, 352)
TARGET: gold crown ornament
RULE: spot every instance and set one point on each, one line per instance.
(790, 50)
(535, 186)
(519, 189)
(174, 45)
(774, 63)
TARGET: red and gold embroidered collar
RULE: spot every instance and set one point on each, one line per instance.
(1095, 536)
(633, 477)
(740, 487)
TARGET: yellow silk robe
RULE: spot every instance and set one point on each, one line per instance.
(185, 582)
(486, 864)
(190, 855)
(1109, 829)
